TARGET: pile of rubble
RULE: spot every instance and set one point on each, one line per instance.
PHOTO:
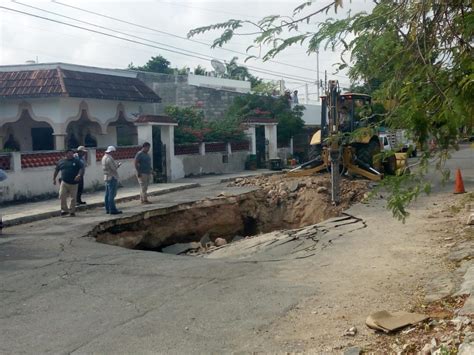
(445, 332)
(204, 246)
(280, 203)
(306, 200)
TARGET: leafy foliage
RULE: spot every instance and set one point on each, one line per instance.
(414, 56)
(160, 64)
(265, 88)
(289, 118)
(239, 72)
(199, 70)
(193, 128)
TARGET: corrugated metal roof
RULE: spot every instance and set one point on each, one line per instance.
(69, 83)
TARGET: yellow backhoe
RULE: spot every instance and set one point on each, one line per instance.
(346, 144)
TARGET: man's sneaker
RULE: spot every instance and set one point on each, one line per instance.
(63, 213)
(116, 212)
(72, 215)
(82, 203)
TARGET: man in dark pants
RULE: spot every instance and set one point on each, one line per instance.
(144, 171)
(81, 154)
(71, 173)
(110, 166)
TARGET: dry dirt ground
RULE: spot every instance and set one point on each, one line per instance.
(385, 266)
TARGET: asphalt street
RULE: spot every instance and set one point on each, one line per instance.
(64, 293)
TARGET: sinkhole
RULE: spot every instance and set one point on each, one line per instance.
(192, 228)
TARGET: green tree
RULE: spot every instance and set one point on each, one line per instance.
(158, 64)
(193, 127)
(289, 118)
(416, 56)
(240, 72)
(265, 88)
(199, 70)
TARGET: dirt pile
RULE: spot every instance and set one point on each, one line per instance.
(301, 201)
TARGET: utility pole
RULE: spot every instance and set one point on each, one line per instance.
(306, 93)
(317, 71)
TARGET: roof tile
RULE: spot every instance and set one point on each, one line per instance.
(47, 83)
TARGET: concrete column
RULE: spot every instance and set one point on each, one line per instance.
(291, 146)
(145, 134)
(167, 138)
(271, 136)
(229, 148)
(202, 148)
(15, 161)
(253, 139)
(59, 141)
(91, 156)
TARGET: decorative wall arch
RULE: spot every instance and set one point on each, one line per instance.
(27, 133)
(119, 115)
(82, 130)
(26, 106)
(84, 107)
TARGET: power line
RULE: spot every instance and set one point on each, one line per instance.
(176, 50)
(177, 36)
(205, 9)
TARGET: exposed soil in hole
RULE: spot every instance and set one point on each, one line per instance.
(280, 203)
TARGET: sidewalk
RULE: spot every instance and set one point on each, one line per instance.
(34, 211)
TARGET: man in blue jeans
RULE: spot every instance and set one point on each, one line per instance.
(110, 166)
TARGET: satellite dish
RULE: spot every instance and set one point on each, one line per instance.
(218, 66)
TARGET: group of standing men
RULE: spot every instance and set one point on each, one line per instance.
(72, 169)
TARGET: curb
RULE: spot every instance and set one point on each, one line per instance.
(267, 173)
(57, 213)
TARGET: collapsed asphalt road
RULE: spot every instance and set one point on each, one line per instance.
(289, 291)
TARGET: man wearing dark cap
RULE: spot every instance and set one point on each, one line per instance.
(72, 171)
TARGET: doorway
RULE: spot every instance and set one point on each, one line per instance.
(42, 138)
(261, 146)
(159, 156)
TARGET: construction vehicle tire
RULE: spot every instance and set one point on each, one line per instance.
(390, 165)
(315, 151)
(366, 152)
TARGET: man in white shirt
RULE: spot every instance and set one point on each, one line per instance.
(110, 166)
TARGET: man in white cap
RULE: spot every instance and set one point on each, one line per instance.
(110, 166)
(81, 154)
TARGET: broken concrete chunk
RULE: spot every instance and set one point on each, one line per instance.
(293, 186)
(351, 331)
(388, 322)
(470, 220)
(205, 239)
(466, 349)
(355, 350)
(220, 242)
(321, 189)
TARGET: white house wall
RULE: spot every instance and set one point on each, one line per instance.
(37, 182)
(59, 112)
(211, 163)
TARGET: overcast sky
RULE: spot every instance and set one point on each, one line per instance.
(23, 37)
